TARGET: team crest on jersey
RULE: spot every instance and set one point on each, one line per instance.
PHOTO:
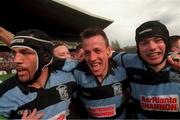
(117, 89)
(63, 92)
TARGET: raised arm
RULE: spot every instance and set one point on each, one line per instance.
(6, 36)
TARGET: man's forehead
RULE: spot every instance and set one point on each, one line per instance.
(95, 48)
(22, 49)
(153, 38)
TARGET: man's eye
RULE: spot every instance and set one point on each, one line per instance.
(26, 52)
(98, 51)
(143, 43)
(86, 53)
(159, 40)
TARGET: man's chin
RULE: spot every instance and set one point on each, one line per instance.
(154, 63)
(95, 73)
(23, 79)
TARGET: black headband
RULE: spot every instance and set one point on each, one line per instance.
(30, 41)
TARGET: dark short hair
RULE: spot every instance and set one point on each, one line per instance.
(173, 39)
(57, 44)
(93, 31)
(78, 47)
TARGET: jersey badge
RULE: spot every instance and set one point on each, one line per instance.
(63, 92)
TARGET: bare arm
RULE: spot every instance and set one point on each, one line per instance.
(6, 36)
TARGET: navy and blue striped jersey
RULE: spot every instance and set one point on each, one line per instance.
(102, 100)
(53, 100)
(156, 94)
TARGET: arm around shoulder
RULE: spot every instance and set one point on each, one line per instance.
(6, 36)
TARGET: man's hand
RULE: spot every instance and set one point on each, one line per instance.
(6, 36)
(174, 60)
(32, 116)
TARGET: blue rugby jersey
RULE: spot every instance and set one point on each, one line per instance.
(102, 100)
(156, 95)
(53, 100)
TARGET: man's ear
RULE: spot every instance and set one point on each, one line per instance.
(109, 51)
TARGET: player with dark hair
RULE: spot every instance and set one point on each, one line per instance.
(38, 90)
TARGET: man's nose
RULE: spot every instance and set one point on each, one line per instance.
(17, 58)
(152, 45)
(93, 56)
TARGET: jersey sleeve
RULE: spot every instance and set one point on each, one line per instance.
(64, 64)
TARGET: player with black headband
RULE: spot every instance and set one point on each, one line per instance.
(154, 86)
(38, 90)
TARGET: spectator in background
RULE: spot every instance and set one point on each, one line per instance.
(79, 53)
(60, 50)
(6, 63)
(175, 43)
(175, 47)
(73, 53)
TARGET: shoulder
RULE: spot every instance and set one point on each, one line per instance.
(64, 64)
(7, 85)
(128, 59)
(173, 74)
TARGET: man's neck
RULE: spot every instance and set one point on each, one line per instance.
(100, 79)
(105, 73)
(158, 67)
(40, 83)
